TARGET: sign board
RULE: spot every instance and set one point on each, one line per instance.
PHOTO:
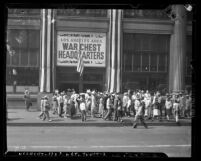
(71, 44)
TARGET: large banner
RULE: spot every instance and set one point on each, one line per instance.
(92, 45)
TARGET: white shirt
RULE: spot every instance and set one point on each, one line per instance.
(82, 106)
(125, 100)
(129, 103)
(137, 104)
(168, 104)
(108, 104)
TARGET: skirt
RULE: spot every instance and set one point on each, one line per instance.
(101, 108)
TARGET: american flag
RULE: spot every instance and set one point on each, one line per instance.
(80, 64)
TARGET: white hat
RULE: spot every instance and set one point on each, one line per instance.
(88, 91)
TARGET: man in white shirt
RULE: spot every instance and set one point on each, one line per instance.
(125, 102)
(139, 113)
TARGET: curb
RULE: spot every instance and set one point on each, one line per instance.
(113, 124)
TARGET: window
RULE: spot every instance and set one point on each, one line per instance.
(25, 44)
(128, 62)
(82, 12)
(145, 62)
(136, 62)
(153, 63)
(92, 77)
(162, 63)
(145, 52)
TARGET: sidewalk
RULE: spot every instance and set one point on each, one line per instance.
(21, 117)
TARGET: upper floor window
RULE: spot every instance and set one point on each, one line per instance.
(24, 11)
(145, 13)
(145, 52)
(25, 44)
(82, 12)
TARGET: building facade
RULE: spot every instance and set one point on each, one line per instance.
(137, 49)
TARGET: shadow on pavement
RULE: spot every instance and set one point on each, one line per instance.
(57, 120)
(11, 112)
(13, 119)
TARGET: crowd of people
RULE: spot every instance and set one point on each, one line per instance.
(114, 106)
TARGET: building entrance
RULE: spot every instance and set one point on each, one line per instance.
(65, 86)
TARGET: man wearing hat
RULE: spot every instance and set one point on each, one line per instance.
(47, 108)
(83, 108)
(109, 107)
(27, 99)
(125, 102)
(60, 104)
(41, 108)
(139, 113)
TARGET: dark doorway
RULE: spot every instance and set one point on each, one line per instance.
(92, 87)
(65, 86)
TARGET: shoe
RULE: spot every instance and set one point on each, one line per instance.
(49, 120)
(65, 117)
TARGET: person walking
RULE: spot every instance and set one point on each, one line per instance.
(101, 107)
(27, 99)
(61, 104)
(128, 107)
(54, 104)
(66, 105)
(83, 108)
(47, 108)
(155, 107)
(187, 107)
(72, 108)
(42, 109)
(139, 114)
(109, 108)
(168, 106)
(115, 107)
(176, 110)
(125, 102)
(119, 110)
(147, 105)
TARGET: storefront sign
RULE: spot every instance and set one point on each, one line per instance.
(92, 45)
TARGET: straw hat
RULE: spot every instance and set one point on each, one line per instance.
(88, 91)
(45, 97)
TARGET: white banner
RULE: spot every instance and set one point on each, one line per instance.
(70, 44)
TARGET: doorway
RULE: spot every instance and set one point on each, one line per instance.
(65, 86)
(94, 86)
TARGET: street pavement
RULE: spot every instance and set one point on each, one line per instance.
(174, 141)
(21, 117)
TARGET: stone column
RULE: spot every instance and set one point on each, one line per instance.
(49, 50)
(177, 50)
(43, 53)
(46, 51)
(114, 62)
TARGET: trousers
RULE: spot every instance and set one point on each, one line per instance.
(141, 118)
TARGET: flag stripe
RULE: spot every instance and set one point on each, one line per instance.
(80, 65)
